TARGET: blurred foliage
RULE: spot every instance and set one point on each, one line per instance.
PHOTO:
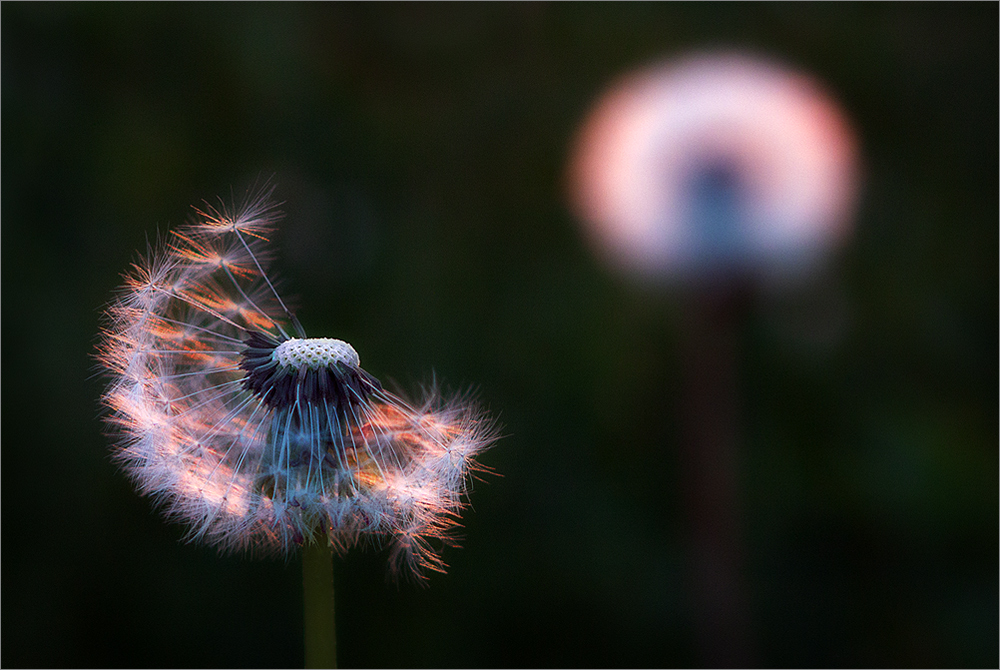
(420, 150)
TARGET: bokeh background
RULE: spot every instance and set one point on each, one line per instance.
(421, 154)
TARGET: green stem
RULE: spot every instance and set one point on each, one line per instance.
(317, 584)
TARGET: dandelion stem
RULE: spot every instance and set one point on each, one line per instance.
(711, 474)
(317, 584)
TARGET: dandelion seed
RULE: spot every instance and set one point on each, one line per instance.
(256, 435)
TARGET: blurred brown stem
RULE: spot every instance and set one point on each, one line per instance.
(710, 470)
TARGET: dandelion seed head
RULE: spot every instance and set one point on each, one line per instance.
(715, 165)
(256, 439)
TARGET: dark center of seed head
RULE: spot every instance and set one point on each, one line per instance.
(308, 370)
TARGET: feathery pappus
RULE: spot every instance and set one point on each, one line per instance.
(256, 435)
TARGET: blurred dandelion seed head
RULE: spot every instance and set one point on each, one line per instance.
(257, 439)
(712, 165)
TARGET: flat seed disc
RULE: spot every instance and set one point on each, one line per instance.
(315, 353)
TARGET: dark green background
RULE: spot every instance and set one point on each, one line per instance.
(420, 151)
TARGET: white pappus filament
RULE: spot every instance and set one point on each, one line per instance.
(255, 438)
